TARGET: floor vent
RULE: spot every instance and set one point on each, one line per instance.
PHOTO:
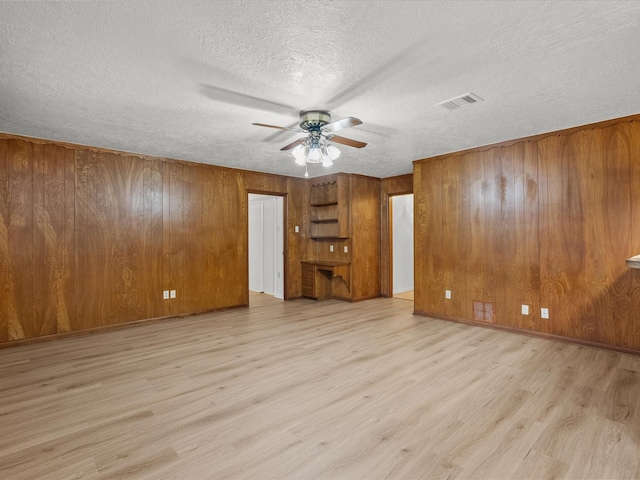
(460, 101)
(483, 311)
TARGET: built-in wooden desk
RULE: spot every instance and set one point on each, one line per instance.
(633, 262)
(318, 275)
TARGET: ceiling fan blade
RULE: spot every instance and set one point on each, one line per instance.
(236, 98)
(278, 133)
(276, 126)
(346, 141)
(340, 124)
(300, 141)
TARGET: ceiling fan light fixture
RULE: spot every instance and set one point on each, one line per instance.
(333, 152)
(300, 154)
(315, 148)
(314, 154)
(327, 161)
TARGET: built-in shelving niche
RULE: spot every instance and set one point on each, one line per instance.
(325, 212)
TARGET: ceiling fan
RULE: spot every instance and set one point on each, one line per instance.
(319, 130)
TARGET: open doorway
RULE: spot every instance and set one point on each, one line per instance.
(401, 216)
(266, 244)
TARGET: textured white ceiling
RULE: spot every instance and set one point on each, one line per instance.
(185, 79)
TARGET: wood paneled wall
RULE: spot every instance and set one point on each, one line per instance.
(547, 222)
(399, 185)
(365, 237)
(297, 215)
(90, 238)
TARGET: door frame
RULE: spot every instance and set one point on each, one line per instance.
(285, 240)
(390, 236)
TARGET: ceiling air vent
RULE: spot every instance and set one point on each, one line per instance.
(460, 101)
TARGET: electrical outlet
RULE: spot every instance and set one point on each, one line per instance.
(165, 295)
(447, 294)
(173, 294)
(331, 248)
(525, 309)
(346, 249)
(296, 229)
(544, 313)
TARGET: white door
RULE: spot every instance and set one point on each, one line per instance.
(266, 244)
(255, 247)
(279, 248)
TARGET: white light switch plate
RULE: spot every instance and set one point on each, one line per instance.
(525, 309)
(296, 229)
(447, 294)
(544, 313)
(173, 294)
(165, 294)
(346, 249)
(331, 248)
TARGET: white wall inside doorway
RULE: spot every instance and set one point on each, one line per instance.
(402, 238)
(266, 244)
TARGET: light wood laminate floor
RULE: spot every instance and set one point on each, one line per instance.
(404, 295)
(317, 390)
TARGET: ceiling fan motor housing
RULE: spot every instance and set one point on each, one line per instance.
(313, 120)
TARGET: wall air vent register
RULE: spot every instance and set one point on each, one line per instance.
(460, 101)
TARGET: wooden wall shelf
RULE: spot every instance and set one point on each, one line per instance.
(633, 262)
(329, 212)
